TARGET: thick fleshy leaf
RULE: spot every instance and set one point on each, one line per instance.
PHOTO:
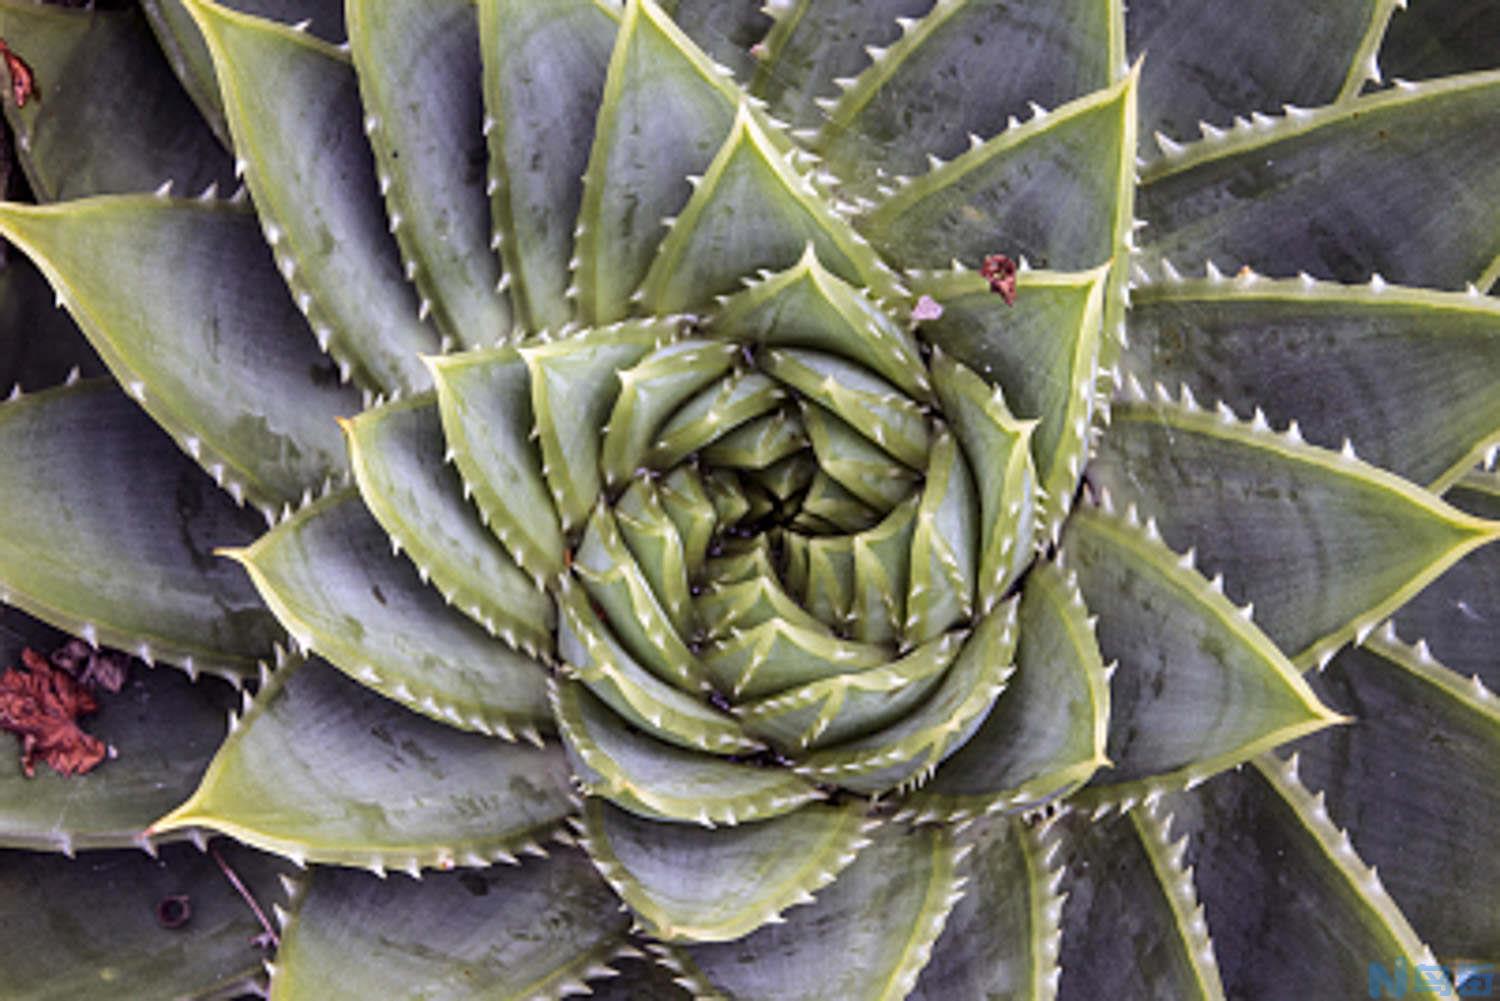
(1001, 939)
(1004, 195)
(1047, 732)
(1440, 37)
(484, 398)
(162, 730)
(1323, 545)
(330, 576)
(131, 568)
(945, 546)
(544, 66)
(1206, 63)
(1331, 192)
(293, 108)
(184, 45)
(1198, 688)
(666, 109)
(184, 304)
(868, 404)
(1292, 911)
(867, 935)
(941, 82)
(1459, 613)
(812, 44)
(450, 936)
(419, 78)
(1043, 353)
(1407, 375)
(397, 455)
(323, 770)
(657, 780)
(685, 883)
(88, 930)
(1130, 927)
(40, 346)
(107, 115)
(753, 209)
(1413, 780)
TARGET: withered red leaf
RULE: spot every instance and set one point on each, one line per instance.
(1000, 272)
(22, 80)
(41, 704)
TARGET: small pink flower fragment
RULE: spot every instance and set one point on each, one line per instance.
(927, 308)
(1000, 272)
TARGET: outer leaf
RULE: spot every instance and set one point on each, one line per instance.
(1406, 374)
(1330, 192)
(666, 109)
(1199, 687)
(1322, 545)
(687, 884)
(130, 568)
(323, 770)
(450, 936)
(868, 935)
(184, 304)
(397, 454)
(1438, 38)
(330, 577)
(294, 110)
(107, 115)
(419, 77)
(725, 32)
(1290, 906)
(56, 910)
(1413, 778)
(544, 66)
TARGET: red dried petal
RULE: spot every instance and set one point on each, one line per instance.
(41, 705)
(22, 80)
(1000, 272)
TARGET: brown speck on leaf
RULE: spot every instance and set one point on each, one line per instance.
(22, 80)
(174, 911)
(927, 308)
(41, 704)
(1000, 272)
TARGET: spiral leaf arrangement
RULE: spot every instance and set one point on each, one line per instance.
(699, 557)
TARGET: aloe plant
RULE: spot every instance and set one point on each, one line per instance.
(603, 463)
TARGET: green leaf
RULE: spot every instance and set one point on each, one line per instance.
(185, 48)
(330, 576)
(906, 752)
(397, 455)
(713, 413)
(107, 115)
(855, 462)
(419, 77)
(1406, 374)
(1208, 63)
(162, 728)
(657, 547)
(666, 109)
(659, 781)
(1438, 38)
(1273, 871)
(688, 884)
(941, 82)
(1047, 733)
(945, 546)
(1131, 926)
(725, 32)
(812, 44)
(1332, 191)
(1004, 194)
(293, 108)
(56, 912)
(1001, 939)
(1323, 545)
(451, 934)
(184, 304)
(544, 67)
(778, 655)
(867, 935)
(1198, 688)
(131, 568)
(754, 209)
(321, 769)
(868, 404)
(1413, 779)
(1043, 353)
(484, 398)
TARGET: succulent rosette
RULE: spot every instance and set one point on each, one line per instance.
(744, 511)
